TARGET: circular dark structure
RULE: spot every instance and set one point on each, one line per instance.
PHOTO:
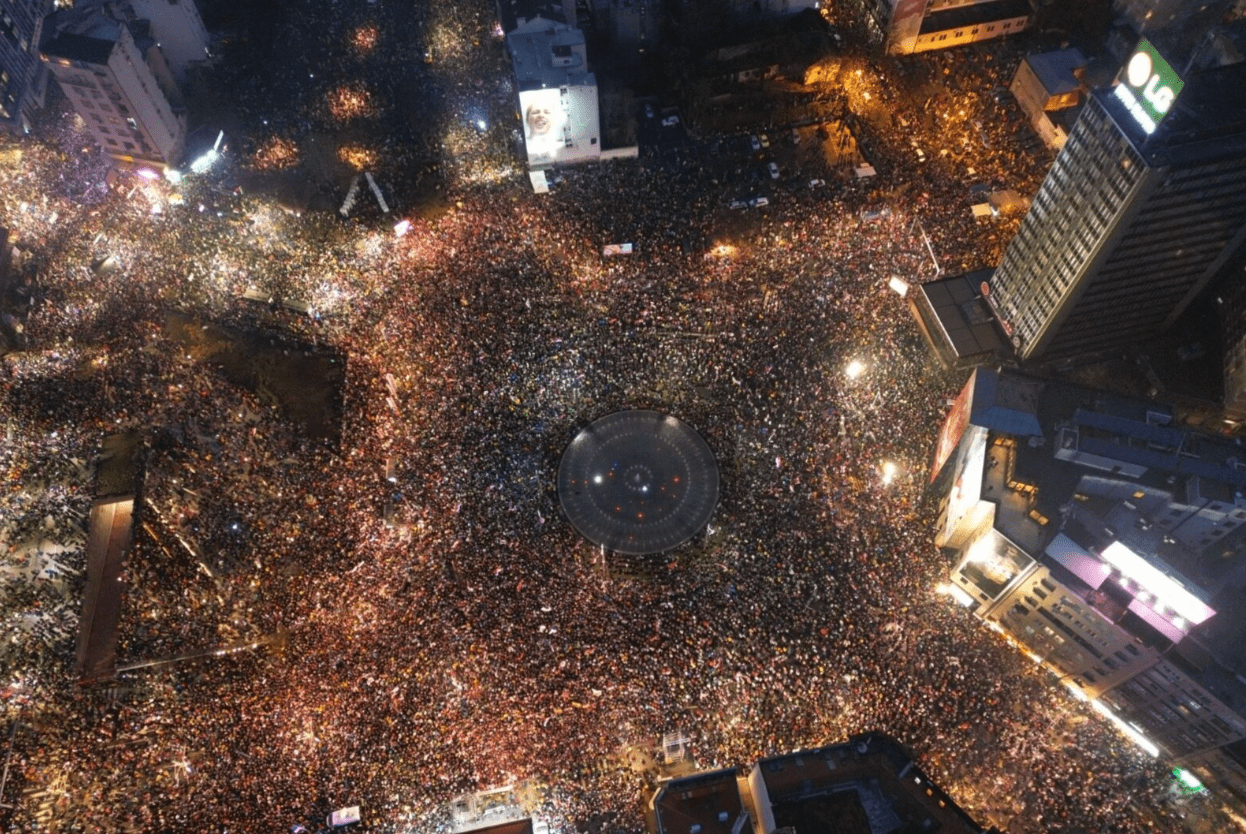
(638, 482)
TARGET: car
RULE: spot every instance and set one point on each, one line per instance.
(765, 142)
(648, 110)
(738, 204)
(816, 183)
(758, 202)
(754, 143)
(774, 171)
(670, 121)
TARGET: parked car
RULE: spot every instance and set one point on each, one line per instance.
(648, 110)
(754, 143)
(816, 183)
(774, 171)
(758, 202)
(765, 142)
(670, 121)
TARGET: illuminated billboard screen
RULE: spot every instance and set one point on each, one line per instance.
(560, 123)
(953, 427)
(1147, 86)
(906, 24)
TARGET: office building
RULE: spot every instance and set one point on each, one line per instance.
(23, 78)
(1143, 207)
(1111, 545)
(865, 785)
(115, 76)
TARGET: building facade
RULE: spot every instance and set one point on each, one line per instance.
(179, 31)
(557, 95)
(1111, 546)
(113, 73)
(23, 78)
(908, 26)
(1144, 205)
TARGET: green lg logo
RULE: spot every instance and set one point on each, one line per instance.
(1141, 75)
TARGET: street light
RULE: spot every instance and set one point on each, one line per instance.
(889, 472)
(855, 368)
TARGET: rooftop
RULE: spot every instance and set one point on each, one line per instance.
(1056, 70)
(1207, 121)
(708, 803)
(548, 54)
(865, 786)
(958, 17)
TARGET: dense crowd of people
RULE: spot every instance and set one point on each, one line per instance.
(443, 629)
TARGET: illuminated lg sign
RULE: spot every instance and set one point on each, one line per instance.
(1148, 87)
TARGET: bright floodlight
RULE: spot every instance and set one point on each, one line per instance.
(889, 472)
(1166, 590)
(855, 369)
(957, 593)
(480, 123)
(899, 285)
(148, 174)
(402, 227)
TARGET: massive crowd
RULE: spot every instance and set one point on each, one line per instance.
(447, 630)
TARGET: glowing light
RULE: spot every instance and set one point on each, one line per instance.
(204, 162)
(364, 38)
(480, 123)
(957, 593)
(349, 102)
(148, 174)
(402, 227)
(276, 153)
(1167, 590)
(855, 369)
(889, 471)
(899, 285)
(357, 157)
(1188, 779)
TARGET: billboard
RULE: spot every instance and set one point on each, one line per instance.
(1147, 86)
(906, 24)
(953, 427)
(560, 123)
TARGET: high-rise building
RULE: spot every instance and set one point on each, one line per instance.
(1111, 545)
(1144, 205)
(115, 76)
(23, 78)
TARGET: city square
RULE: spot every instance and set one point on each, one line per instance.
(379, 601)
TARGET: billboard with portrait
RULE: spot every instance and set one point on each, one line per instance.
(560, 124)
